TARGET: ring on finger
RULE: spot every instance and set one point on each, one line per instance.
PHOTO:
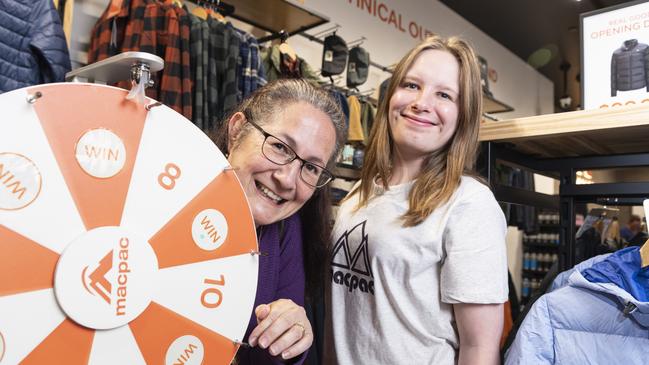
(299, 324)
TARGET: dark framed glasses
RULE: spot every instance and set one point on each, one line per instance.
(278, 152)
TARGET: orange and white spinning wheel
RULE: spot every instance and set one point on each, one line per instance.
(124, 236)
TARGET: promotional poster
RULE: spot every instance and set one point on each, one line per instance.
(615, 56)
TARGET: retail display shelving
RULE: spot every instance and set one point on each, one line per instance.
(559, 145)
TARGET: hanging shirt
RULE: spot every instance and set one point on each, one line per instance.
(248, 66)
(272, 64)
(108, 33)
(216, 47)
(367, 120)
(355, 132)
(155, 28)
(199, 35)
(230, 83)
(224, 52)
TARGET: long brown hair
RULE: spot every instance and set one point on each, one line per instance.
(262, 107)
(443, 169)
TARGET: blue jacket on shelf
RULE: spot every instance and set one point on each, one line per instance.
(33, 49)
(599, 316)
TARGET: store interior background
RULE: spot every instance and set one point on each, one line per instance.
(523, 42)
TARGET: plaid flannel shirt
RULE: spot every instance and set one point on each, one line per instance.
(199, 51)
(222, 75)
(160, 29)
(248, 65)
(108, 33)
(229, 84)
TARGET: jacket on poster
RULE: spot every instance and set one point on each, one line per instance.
(32, 44)
(630, 67)
(600, 316)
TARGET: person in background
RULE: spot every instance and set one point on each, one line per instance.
(280, 143)
(632, 228)
(419, 268)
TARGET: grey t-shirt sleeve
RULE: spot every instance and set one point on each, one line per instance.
(475, 267)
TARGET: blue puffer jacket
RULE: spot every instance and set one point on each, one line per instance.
(33, 49)
(600, 316)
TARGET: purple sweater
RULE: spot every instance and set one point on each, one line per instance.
(281, 276)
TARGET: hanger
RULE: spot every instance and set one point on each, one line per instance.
(215, 12)
(200, 11)
(644, 250)
(114, 8)
(284, 47)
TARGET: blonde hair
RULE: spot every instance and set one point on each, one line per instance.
(443, 169)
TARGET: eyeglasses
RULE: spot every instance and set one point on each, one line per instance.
(278, 152)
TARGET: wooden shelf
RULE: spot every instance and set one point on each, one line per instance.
(582, 133)
(347, 172)
(275, 15)
(493, 106)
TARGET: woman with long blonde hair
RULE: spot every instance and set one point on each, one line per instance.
(419, 269)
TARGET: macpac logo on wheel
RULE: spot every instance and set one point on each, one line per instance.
(20, 181)
(99, 284)
(97, 279)
(117, 269)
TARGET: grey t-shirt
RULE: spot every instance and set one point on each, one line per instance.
(393, 288)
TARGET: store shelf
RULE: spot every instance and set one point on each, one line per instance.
(559, 145)
(534, 273)
(276, 15)
(492, 106)
(619, 130)
(347, 172)
(549, 226)
(540, 244)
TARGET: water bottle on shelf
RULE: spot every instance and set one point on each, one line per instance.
(526, 288)
(541, 262)
(548, 261)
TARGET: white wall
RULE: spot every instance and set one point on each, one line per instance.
(518, 85)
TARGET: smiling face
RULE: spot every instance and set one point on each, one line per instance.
(423, 110)
(274, 191)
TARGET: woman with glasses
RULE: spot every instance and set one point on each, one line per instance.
(281, 142)
(418, 261)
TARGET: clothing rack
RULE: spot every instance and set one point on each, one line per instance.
(361, 95)
(216, 5)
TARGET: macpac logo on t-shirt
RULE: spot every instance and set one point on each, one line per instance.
(351, 262)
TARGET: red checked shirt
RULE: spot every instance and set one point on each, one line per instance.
(153, 27)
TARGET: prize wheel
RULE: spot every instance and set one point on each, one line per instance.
(125, 237)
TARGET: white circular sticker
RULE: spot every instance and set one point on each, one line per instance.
(105, 278)
(101, 153)
(209, 229)
(187, 350)
(20, 181)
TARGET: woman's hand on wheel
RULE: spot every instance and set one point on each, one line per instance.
(283, 328)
